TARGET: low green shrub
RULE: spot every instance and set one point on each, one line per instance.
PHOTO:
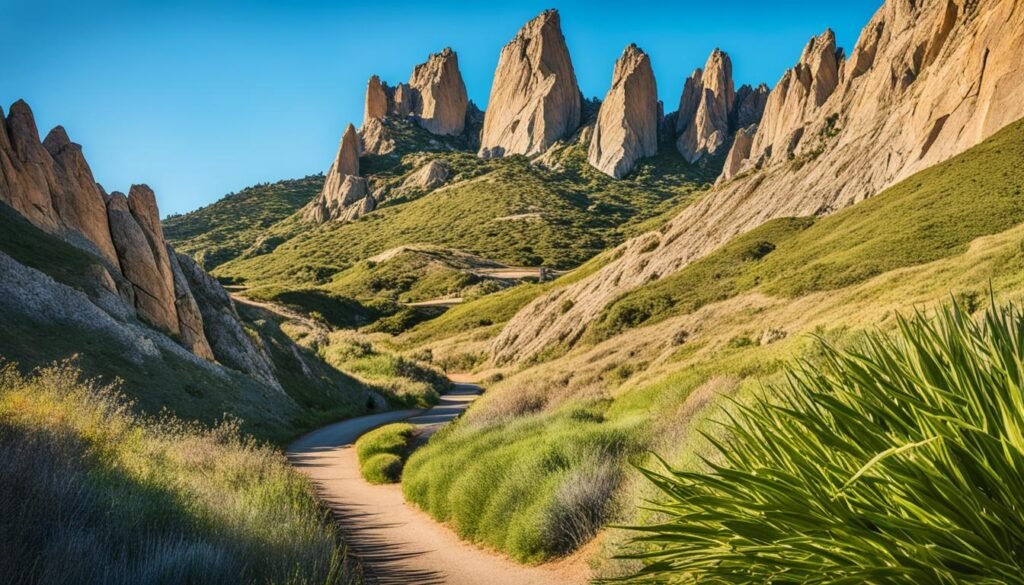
(897, 461)
(381, 452)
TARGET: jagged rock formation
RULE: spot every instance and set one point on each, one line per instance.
(435, 96)
(927, 80)
(797, 98)
(190, 317)
(750, 104)
(27, 171)
(740, 152)
(440, 94)
(627, 123)
(154, 292)
(228, 339)
(376, 139)
(345, 195)
(713, 93)
(534, 98)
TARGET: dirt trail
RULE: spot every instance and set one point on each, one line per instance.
(396, 542)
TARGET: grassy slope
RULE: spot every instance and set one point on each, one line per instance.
(708, 341)
(224, 230)
(92, 493)
(505, 210)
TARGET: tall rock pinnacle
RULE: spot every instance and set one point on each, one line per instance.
(440, 94)
(345, 195)
(376, 100)
(627, 124)
(708, 131)
(534, 99)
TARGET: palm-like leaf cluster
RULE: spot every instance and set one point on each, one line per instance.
(900, 461)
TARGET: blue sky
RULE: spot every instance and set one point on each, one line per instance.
(199, 99)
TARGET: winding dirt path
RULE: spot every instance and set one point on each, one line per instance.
(396, 542)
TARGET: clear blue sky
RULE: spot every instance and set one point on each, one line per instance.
(198, 99)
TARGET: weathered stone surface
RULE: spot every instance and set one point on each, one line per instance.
(627, 124)
(740, 151)
(402, 101)
(342, 185)
(534, 98)
(190, 318)
(689, 101)
(350, 200)
(376, 100)
(376, 137)
(427, 178)
(440, 94)
(77, 199)
(749, 108)
(27, 168)
(870, 133)
(154, 294)
(797, 98)
(709, 130)
(228, 339)
(346, 161)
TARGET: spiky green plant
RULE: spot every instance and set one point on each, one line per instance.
(899, 461)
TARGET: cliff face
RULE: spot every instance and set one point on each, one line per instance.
(926, 80)
(627, 123)
(345, 195)
(534, 99)
(711, 99)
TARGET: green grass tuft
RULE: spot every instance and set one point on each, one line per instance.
(382, 452)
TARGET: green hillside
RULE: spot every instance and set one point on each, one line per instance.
(224, 230)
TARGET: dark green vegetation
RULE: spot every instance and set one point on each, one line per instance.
(92, 493)
(382, 452)
(226, 229)
(536, 487)
(897, 461)
(313, 393)
(931, 215)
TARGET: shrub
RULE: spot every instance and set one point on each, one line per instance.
(895, 462)
(382, 452)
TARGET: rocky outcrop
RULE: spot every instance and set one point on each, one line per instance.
(435, 97)
(190, 317)
(740, 152)
(876, 128)
(345, 196)
(627, 123)
(534, 98)
(77, 199)
(749, 108)
(376, 100)
(27, 168)
(689, 101)
(231, 345)
(376, 138)
(708, 131)
(427, 178)
(797, 99)
(154, 292)
(439, 94)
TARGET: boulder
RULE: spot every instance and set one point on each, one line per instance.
(627, 123)
(439, 94)
(427, 178)
(534, 98)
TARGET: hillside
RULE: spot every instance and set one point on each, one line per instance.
(667, 357)
(222, 231)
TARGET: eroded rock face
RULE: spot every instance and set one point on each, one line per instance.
(190, 318)
(427, 178)
(440, 94)
(709, 131)
(627, 123)
(740, 151)
(154, 292)
(749, 108)
(345, 195)
(376, 100)
(346, 161)
(76, 197)
(27, 168)
(376, 138)
(534, 99)
(228, 339)
(878, 127)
